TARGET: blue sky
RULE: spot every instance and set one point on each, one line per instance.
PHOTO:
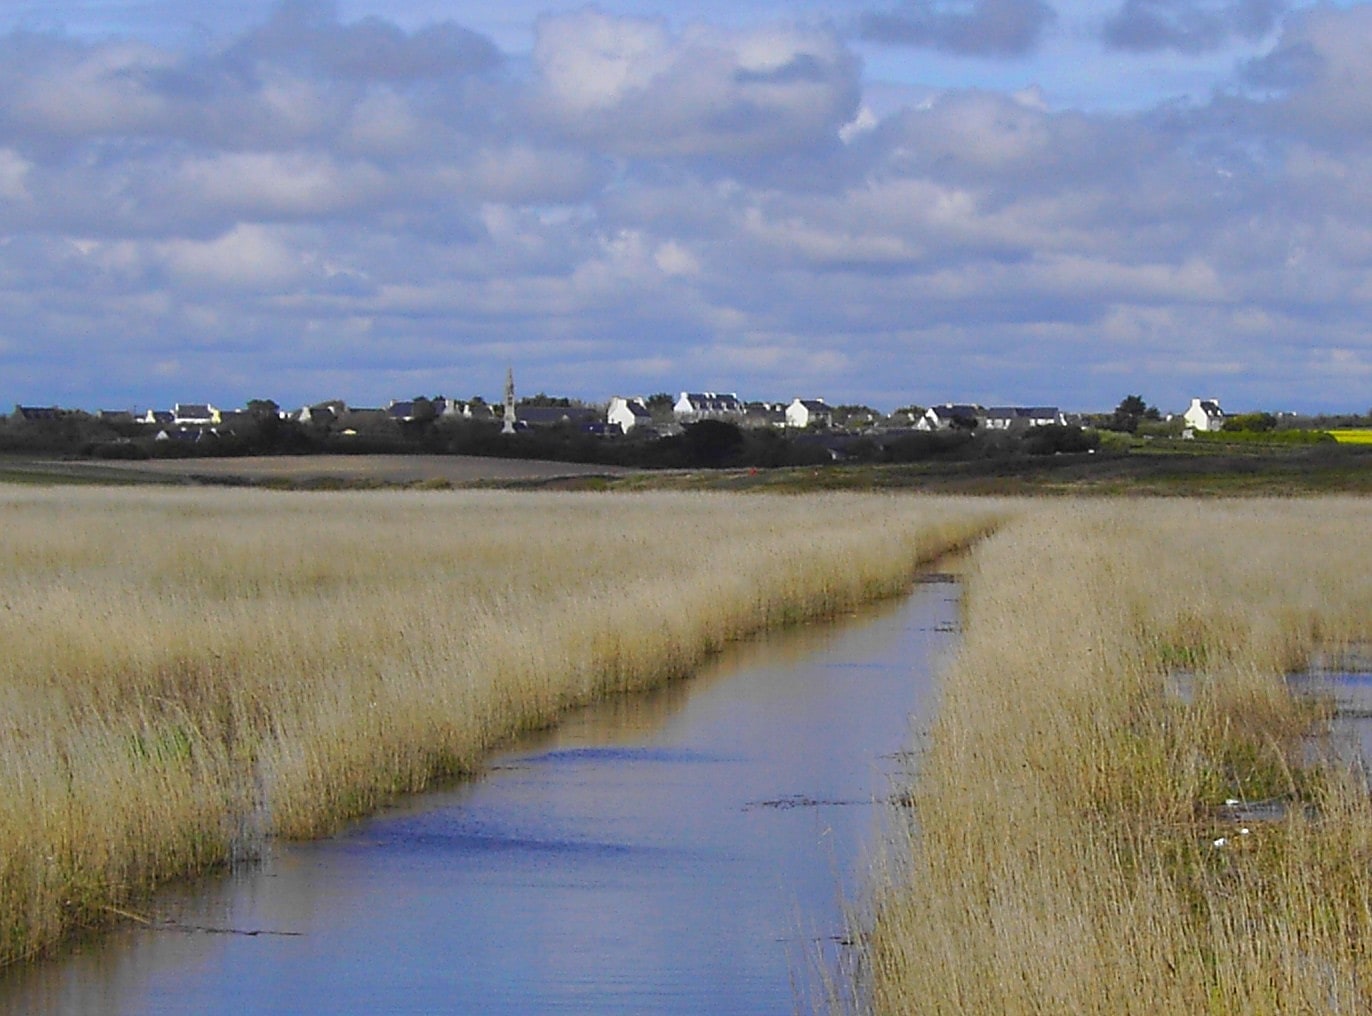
(896, 201)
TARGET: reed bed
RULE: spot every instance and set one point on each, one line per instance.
(1123, 675)
(188, 673)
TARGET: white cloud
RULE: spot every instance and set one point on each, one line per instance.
(271, 185)
(66, 90)
(1192, 281)
(1322, 69)
(341, 200)
(14, 173)
(248, 257)
(822, 243)
(521, 173)
(672, 258)
(633, 87)
(1343, 363)
(860, 124)
(591, 61)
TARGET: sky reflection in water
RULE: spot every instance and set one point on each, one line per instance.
(679, 852)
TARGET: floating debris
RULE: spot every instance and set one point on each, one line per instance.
(1226, 841)
(935, 578)
(170, 924)
(800, 801)
(1272, 809)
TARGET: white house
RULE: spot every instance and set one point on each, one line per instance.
(1204, 414)
(951, 415)
(628, 413)
(694, 406)
(191, 413)
(764, 414)
(463, 410)
(808, 413)
(1020, 417)
(321, 414)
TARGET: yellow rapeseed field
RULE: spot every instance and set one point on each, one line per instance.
(186, 673)
(1353, 436)
(1122, 808)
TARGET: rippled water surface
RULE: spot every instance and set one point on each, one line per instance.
(679, 852)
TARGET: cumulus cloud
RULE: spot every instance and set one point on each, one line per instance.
(309, 32)
(630, 86)
(247, 257)
(1320, 77)
(349, 205)
(983, 28)
(1190, 26)
(303, 77)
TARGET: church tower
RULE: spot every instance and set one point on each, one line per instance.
(509, 427)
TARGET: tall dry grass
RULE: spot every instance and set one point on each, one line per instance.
(1122, 676)
(186, 673)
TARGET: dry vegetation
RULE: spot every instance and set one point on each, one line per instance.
(1121, 678)
(187, 672)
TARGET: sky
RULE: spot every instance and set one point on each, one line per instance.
(887, 202)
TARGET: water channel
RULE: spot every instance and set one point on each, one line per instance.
(685, 851)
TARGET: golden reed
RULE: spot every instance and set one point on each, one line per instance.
(186, 673)
(1122, 677)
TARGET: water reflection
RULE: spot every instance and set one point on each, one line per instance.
(676, 852)
(1343, 677)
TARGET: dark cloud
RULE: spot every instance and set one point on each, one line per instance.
(1316, 83)
(310, 32)
(802, 68)
(1190, 26)
(984, 28)
(1291, 65)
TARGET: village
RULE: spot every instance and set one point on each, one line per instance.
(640, 417)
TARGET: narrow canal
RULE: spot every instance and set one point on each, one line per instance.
(686, 851)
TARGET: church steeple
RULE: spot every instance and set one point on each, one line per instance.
(509, 427)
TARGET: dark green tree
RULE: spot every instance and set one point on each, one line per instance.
(1128, 414)
(660, 405)
(266, 423)
(712, 442)
(423, 411)
(543, 399)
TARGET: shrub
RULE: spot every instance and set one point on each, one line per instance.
(1056, 438)
(1250, 422)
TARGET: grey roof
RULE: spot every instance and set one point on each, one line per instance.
(712, 402)
(955, 410)
(1022, 413)
(355, 418)
(38, 412)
